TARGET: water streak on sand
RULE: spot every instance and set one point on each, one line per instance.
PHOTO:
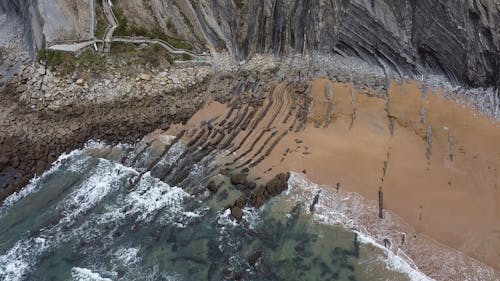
(431, 158)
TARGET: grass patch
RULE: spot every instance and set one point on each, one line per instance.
(127, 29)
(152, 54)
(123, 56)
(64, 63)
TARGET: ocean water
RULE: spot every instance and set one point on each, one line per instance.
(99, 214)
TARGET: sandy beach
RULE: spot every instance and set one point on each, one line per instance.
(438, 168)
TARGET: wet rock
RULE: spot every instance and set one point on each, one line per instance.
(212, 186)
(250, 185)
(274, 187)
(240, 202)
(40, 166)
(238, 178)
(254, 258)
(223, 195)
(227, 273)
(237, 213)
(300, 248)
(238, 275)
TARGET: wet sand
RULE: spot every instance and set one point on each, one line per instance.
(438, 167)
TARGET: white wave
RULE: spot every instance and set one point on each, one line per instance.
(85, 274)
(174, 153)
(34, 185)
(347, 210)
(167, 139)
(149, 198)
(398, 261)
(19, 259)
(127, 256)
(104, 180)
(16, 262)
(153, 195)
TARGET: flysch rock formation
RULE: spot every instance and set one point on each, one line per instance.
(460, 39)
(363, 42)
(252, 46)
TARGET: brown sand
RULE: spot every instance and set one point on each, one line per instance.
(440, 172)
(455, 202)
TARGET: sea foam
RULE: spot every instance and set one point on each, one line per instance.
(85, 274)
(350, 211)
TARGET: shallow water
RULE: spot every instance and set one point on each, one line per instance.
(85, 220)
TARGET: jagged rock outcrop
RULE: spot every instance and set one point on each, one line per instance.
(27, 11)
(460, 39)
(51, 20)
(457, 38)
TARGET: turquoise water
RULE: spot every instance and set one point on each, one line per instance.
(98, 216)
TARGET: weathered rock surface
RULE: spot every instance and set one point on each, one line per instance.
(238, 178)
(460, 39)
(273, 188)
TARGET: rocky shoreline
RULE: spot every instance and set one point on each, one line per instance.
(34, 134)
(45, 114)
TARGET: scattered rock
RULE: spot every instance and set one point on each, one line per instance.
(237, 213)
(250, 185)
(145, 77)
(238, 178)
(238, 275)
(79, 82)
(223, 195)
(212, 186)
(254, 258)
(41, 70)
(274, 187)
(21, 89)
(224, 172)
(240, 202)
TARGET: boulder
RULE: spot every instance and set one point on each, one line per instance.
(41, 70)
(273, 188)
(79, 82)
(145, 77)
(21, 89)
(237, 213)
(250, 185)
(254, 258)
(212, 186)
(238, 178)
(240, 202)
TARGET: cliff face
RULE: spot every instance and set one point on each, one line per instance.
(459, 38)
(50, 20)
(27, 11)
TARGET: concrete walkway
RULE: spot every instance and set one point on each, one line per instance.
(72, 47)
(110, 16)
(164, 44)
(75, 46)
